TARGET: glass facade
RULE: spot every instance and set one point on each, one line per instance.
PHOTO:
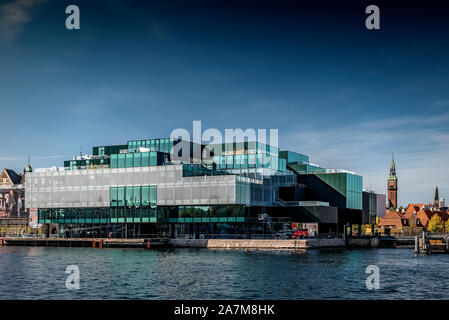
(148, 214)
(126, 184)
(306, 168)
(349, 185)
(160, 145)
(108, 150)
(293, 157)
(138, 159)
(136, 196)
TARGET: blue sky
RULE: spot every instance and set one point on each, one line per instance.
(342, 94)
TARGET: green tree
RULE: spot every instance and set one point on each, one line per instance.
(435, 224)
(447, 225)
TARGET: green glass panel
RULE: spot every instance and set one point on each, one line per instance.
(136, 196)
(137, 160)
(153, 158)
(113, 197)
(114, 161)
(145, 162)
(121, 160)
(121, 196)
(153, 195)
(129, 160)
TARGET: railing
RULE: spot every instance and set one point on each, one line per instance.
(24, 235)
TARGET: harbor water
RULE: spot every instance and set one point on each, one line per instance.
(39, 273)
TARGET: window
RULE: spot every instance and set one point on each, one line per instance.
(137, 160)
(145, 196)
(145, 162)
(121, 160)
(129, 160)
(121, 196)
(251, 161)
(113, 197)
(114, 161)
(153, 195)
(136, 196)
(229, 162)
(153, 158)
(129, 196)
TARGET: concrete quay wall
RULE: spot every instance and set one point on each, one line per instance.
(256, 244)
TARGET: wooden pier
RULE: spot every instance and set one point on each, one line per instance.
(428, 244)
(100, 243)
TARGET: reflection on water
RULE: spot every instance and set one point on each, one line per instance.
(39, 273)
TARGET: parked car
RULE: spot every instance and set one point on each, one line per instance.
(300, 234)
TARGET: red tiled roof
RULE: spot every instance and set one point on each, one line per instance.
(391, 218)
(425, 215)
(414, 207)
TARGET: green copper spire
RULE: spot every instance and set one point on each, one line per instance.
(392, 169)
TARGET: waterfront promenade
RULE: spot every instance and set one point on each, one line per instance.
(273, 244)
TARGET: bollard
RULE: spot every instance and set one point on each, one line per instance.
(148, 243)
(416, 244)
(100, 244)
(93, 243)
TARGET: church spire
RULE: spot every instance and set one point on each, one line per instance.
(392, 186)
(28, 167)
(392, 168)
(437, 198)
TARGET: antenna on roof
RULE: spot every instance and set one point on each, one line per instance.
(81, 150)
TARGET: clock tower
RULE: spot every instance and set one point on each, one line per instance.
(392, 186)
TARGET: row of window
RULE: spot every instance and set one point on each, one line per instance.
(243, 147)
(85, 163)
(133, 196)
(293, 157)
(308, 169)
(244, 161)
(230, 213)
(161, 145)
(138, 159)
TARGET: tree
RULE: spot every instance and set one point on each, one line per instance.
(435, 224)
(447, 225)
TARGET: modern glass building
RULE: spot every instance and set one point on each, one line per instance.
(147, 187)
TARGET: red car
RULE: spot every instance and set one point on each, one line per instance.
(300, 234)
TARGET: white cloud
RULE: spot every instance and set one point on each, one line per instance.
(420, 143)
(14, 16)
